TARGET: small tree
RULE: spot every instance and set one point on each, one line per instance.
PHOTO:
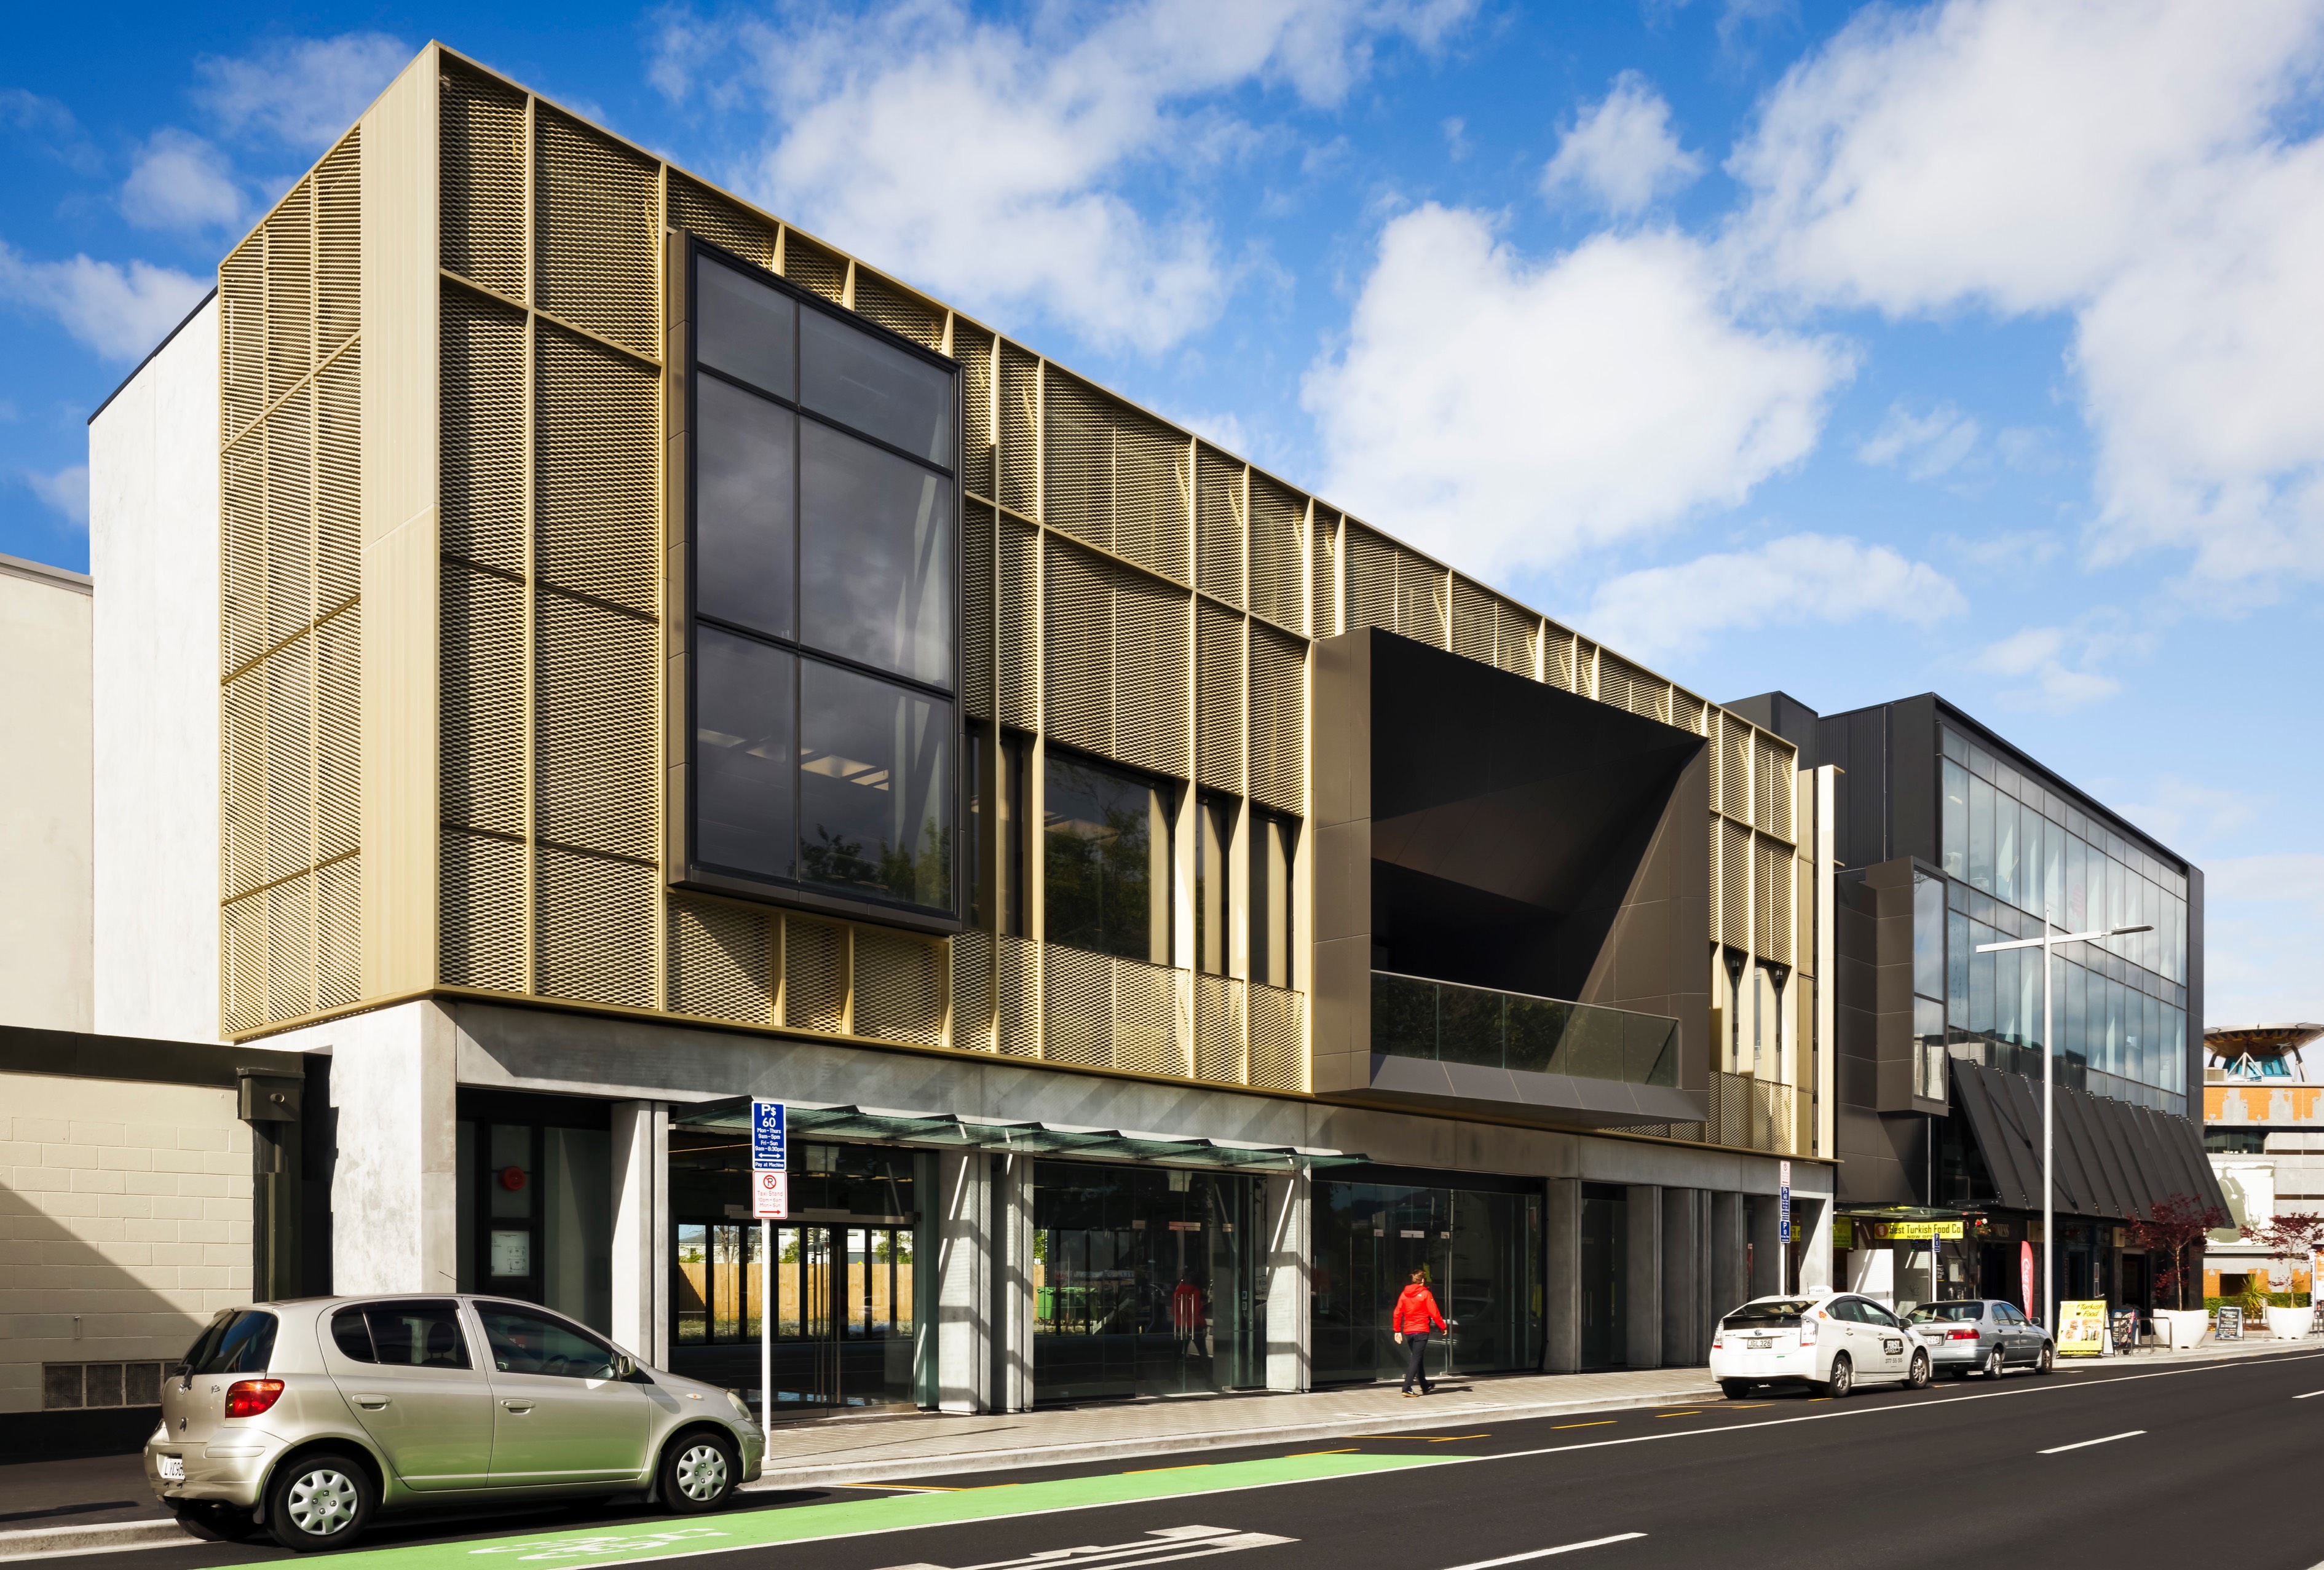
(2293, 1236)
(2171, 1227)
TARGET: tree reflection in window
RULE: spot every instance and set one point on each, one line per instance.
(1106, 855)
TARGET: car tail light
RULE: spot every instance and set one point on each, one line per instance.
(1960, 1334)
(248, 1397)
(1717, 1339)
(1807, 1330)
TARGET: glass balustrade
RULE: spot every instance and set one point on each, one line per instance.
(1416, 1017)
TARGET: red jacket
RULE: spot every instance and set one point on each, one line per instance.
(1415, 1310)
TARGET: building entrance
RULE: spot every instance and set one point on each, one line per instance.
(1143, 1281)
(1605, 1262)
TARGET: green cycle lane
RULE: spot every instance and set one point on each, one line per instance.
(775, 1528)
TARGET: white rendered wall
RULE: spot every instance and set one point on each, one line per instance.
(44, 797)
(154, 551)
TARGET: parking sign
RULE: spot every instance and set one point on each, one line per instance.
(767, 1135)
(1783, 1199)
(770, 1198)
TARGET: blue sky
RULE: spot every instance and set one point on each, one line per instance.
(1971, 345)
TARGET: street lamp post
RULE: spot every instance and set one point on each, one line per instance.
(2046, 942)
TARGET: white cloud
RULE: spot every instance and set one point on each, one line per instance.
(1507, 415)
(304, 91)
(1798, 579)
(121, 312)
(1926, 446)
(2189, 815)
(66, 490)
(180, 182)
(987, 159)
(1621, 152)
(2122, 161)
(2263, 924)
(2059, 666)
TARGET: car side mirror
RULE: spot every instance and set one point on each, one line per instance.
(625, 1366)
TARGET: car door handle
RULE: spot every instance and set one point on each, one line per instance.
(371, 1403)
(519, 1408)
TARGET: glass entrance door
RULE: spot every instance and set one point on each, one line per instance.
(842, 1311)
(1143, 1281)
(1481, 1249)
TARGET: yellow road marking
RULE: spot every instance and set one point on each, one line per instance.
(1142, 1470)
(1750, 1406)
(1692, 1414)
(1350, 1450)
(1599, 1424)
(905, 1487)
(1450, 1439)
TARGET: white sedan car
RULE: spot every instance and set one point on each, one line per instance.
(1833, 1343)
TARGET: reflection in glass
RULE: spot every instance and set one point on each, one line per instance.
(1980, 835)
(1927, 936)
(1272, 840)
(742, 754)
(744, 327)
(1213, 828)
(875, 806)
(1106, 854)
(875, 557)
(1956, 810)
(876, 387)
(742, 508)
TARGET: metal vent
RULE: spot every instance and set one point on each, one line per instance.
(482, 160)
(1218, 697)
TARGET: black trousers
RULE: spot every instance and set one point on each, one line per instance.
(1415, 1359)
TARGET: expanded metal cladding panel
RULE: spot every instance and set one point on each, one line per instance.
(815, 975)
(1152, 656)
(1516, 648)
(1017, 661)
(1734, 892)
(898, 310)
(697, 209)
(721, 961)
(1116, 651)
(1475, 625)
(1077, 1007)
(1220, 1056)
(972, 347)
(1371, 579)
(1152, 1019)
(1780, 945)
(1077, 614)
(597, 233)
(972, 990)
(977, 609)
(289, 645)
(1218, 697)
(597, 927)
(1278, 1053)
(1218, 524)
(1557, 663)
(481, 163)
(1803, 914)
(1278, 718)
(900, 988)
(486, 917)
(1765, 938)
(1016, 1024)
(1278, 553)
(1326, 532)
(1734, 768)
(1018, 391)
(1114, 476)
(815, 266)
(1762, 795)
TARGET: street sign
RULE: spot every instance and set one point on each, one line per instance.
(767, 1135)
(770, 1198)
(1784, 1197)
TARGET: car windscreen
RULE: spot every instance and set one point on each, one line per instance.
(1929, 1313)
(238, 1341)
(1773, 1312)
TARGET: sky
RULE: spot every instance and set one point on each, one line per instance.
(1971, 347)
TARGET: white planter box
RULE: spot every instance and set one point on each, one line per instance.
(2182, 1328)
(2291, 1324)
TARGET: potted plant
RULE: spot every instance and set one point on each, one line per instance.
(2171, 1230)
(2292, 1235)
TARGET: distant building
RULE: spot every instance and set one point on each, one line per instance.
(2263, 1129)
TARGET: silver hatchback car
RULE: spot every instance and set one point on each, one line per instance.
(309, 1418)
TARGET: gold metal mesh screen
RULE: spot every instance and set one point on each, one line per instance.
(1278, 718)
(1278, 1035)
(1114, 477)
(1278, 553)
(1220, 1055)
(1218, 524)
(1218, 697)
(978, 544)
(898, 310)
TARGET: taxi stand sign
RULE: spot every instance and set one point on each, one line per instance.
(1783, 1222)
(770, 1202)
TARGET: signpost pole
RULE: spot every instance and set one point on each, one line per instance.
(770, 1202)
(766, 1329)
(1783, 1227)
(2049, 1131)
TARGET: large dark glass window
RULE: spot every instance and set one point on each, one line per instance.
(822, 566)
(1273, 839)
(1106, 855)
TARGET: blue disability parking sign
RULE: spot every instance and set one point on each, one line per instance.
(767, 1140)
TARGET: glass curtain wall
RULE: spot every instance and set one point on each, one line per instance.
(843, 1293)
(1482, 1250)
(824, 571)
(2017, 854)
(1144, 1280)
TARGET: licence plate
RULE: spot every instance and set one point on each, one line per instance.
(1759, 1345)
(173, 1468)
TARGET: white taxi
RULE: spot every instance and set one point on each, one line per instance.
(1832, 1343)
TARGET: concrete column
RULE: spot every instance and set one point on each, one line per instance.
(641, 1262)
(1285, 1287)
(1562, 1305)
(964, 1288)
(1012, 1284)
(1685, 1271)
(1767, 1245)
(1730, 1283)
(1643, 1291)
(1811, 1219)
(394, 1187)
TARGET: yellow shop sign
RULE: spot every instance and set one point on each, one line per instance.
(1915, 1231)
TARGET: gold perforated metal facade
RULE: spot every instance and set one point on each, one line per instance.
(468, 796)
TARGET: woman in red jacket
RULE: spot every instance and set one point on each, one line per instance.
(1416, 1313)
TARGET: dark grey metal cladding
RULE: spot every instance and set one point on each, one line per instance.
(2111, 1158)
(1564, 1097)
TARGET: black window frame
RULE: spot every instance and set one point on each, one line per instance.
(686, 868)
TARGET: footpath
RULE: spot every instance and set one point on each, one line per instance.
(51, 1508)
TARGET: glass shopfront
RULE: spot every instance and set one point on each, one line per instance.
(845, 1292)
(1144, 1281)
(1478, 1237)
(535, 1205)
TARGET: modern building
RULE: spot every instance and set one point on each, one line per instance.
(2263, 1128)
(1948, 837)
(649, 659)
(44, 797)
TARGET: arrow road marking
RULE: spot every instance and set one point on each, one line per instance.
(2110, 1438)
(1176, 1543)
(1545, 1553)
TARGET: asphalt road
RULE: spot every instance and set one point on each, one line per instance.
(2121, 1467)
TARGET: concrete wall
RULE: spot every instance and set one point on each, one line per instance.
(44, 801)
(124, 1221)
(153, 549)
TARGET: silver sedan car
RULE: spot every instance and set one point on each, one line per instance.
(306, 1419)
(1985, 1335)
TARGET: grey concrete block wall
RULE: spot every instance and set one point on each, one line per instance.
(1561, 1307)
(1730, 1281)
(1642, 1292)
(1686, 1276)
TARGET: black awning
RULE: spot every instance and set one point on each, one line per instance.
(2113, 1159)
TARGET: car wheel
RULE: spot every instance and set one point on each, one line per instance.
(318, 1502)
(1995, 1363)
(2044, 1366)
(1842, 1380)
(1917, 1377)
(1735, 1390)
(698, 1473)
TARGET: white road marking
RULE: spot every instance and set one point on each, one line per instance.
(1164, 1546)
(2305, 1394)
(2086, 1444)
(1545, 1553)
